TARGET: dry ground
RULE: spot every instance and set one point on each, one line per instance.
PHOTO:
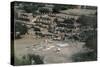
(51, 52)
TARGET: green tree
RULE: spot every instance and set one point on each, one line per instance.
(19, 27)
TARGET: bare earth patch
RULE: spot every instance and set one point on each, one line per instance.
(51, 51)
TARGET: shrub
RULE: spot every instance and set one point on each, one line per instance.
(22, 29)
(80, 57)
(87, 20)
(27, 60)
